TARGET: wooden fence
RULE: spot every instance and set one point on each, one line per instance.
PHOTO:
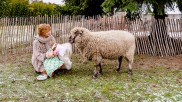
(154, 37)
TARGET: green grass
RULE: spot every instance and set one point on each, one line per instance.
(148, 84)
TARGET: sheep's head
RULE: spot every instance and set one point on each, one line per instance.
(76, 34)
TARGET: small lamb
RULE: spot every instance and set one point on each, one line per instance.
(64, 52)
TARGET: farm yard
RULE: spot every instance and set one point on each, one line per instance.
(154, 79)
(157, 64)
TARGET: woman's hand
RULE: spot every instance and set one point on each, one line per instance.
(49, 54)
(55, 53)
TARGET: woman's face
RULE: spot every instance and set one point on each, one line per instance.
(47, 34)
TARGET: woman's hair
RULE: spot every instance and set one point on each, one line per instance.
(43, 29)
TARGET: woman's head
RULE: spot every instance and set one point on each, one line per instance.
(44, 30)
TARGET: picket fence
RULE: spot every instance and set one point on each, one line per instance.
(17, 33)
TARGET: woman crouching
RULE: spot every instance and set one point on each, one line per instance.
(41, 44)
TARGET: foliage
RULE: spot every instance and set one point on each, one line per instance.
(40, 8)
(4, 7)
(135, 6)
(132, 8)
(24, 8)
(109, 5)
(19, 8)
(179, 3)
(83, 7)
(119, 5)
(159, 7)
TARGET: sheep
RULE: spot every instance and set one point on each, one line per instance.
(64, 53)
(95, 46)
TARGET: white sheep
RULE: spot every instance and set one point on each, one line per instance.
(64, 53)
(113, 44)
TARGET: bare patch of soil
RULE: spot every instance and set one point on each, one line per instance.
(145, 61)
(140, 61)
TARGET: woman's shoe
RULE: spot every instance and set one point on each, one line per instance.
(42, 77)
(37, 72)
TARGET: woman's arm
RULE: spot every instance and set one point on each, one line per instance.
(53, 41)
(36, 50)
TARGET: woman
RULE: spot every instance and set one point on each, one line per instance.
(42, 42)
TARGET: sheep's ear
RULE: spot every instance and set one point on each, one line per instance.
(77, 32)
(81, 32)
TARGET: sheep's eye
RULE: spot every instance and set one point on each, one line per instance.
(77, 33)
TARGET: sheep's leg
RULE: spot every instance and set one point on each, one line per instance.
(129, 66)
(98, 67)
(96, 71)
(130, 69)
(84, 59)
(119, 63)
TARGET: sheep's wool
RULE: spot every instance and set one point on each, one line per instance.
(106, 44)
(61, 49)
(95, 46)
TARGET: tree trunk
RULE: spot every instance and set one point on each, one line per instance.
(159, 39)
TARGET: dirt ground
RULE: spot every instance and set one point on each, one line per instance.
(140, 61)
(146, 61)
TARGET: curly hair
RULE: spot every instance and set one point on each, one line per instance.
(43, 29)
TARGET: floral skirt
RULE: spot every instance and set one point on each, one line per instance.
(52, 64)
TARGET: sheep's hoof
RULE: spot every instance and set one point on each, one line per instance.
(84, 62)
(100, 72)
(95, 74)
(130, 72)
(117, 69)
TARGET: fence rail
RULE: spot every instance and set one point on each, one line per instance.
(153, 37)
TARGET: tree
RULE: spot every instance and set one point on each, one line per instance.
(4, 8)
(19, 8)
(157, 7)
(40, 8)
(83, 7)
(111, 6)
(159, 13)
